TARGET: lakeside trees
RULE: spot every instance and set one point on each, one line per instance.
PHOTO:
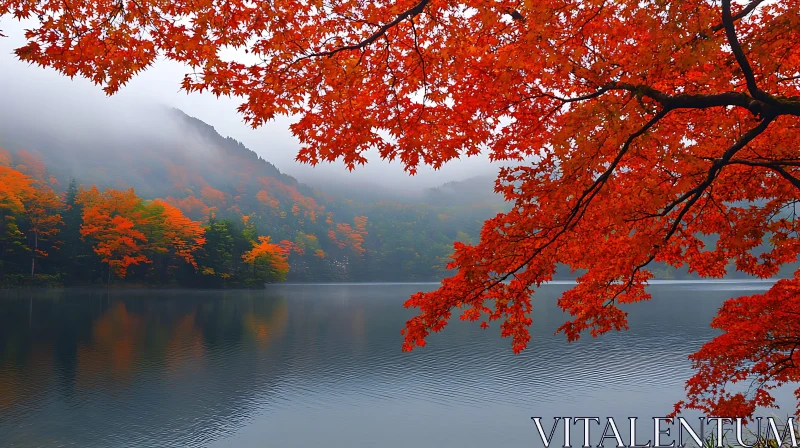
(115, 235)
(650, 123)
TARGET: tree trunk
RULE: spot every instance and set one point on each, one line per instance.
(109, 275)
(33, 255)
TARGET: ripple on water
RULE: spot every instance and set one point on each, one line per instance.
(307, 366)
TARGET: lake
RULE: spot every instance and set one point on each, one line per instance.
(321, 365)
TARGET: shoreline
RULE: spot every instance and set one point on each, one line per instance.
(144, 287)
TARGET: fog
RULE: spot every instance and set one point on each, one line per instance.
(74, 111)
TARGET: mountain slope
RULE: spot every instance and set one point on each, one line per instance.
(170, 155)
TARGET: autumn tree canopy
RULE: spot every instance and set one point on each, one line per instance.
(630, 127)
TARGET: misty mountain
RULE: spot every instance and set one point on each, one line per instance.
(478, 189)
(167, 154)
(166, 151)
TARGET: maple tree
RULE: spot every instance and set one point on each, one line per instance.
(127, 232)
(265, 254)
(15, 189)
(184, 235)
(636, 127)
(110, 219)
(109, 232)
(36, 204)
(42, 212)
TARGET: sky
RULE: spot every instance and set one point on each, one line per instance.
(161, 84)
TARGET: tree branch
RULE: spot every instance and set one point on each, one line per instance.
(774, 166)
(741, 14)
(416, 10)
(695, 193)
(583, 202)
(758, 107)
(738, 53)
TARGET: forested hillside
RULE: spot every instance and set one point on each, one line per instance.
(231, 193)
(237, 221)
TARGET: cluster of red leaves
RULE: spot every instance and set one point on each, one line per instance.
(749, 350)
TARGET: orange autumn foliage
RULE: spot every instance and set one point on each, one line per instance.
(350, 237)
(303, 243)
(110, 218)
(213, 196)
(273, 255)
(5, 157)
(116, 222)
(184, 236)
(332, 237)
(191, 206)
(15, 189)
(636, 127)
(265, 199)
(45, 221)
(300, 202)
(23, 196)
(30, 164)
(288, 246)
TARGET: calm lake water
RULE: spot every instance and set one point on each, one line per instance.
(321, 365)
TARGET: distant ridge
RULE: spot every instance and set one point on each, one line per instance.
(162, 152)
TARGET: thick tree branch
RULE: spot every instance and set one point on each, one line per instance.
(772, 106)
(416, 10)
(694, 194)
(738, 53)
(577, 211)
(774, 166)
(741, 14)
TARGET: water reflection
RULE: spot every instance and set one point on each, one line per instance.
(321, 366)
(107, 369)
